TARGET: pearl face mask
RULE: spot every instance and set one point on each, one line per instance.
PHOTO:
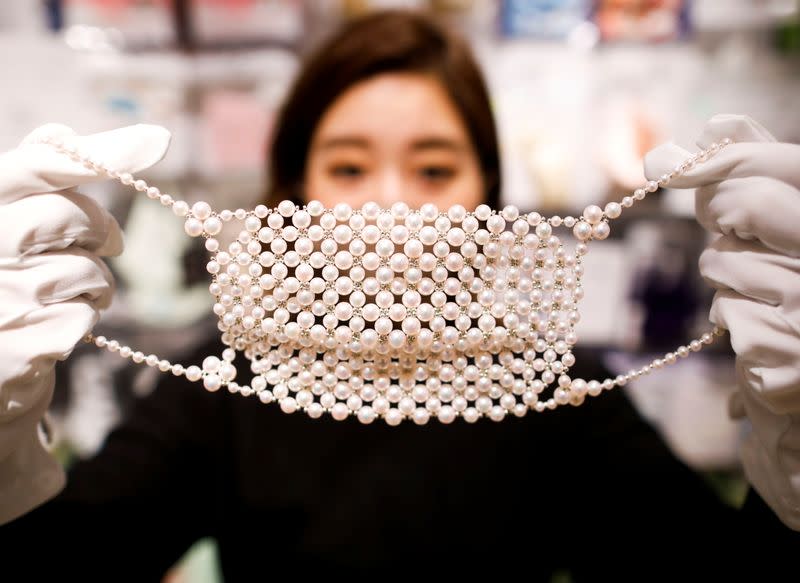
(398, 313)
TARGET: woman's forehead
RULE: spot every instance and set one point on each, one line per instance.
(409, 107)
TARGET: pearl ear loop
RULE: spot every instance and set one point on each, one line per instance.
(398, 313)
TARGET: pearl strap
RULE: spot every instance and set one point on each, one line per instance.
(398, 313)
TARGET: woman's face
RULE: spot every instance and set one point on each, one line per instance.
(394, 137)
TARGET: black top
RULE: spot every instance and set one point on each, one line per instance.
(591, 488)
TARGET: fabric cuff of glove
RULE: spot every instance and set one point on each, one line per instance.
(29, 476)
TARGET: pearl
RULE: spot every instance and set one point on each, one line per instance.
(194, 373)
(286, 208)
(421, 416)
(201, 210)
(212, 382)
(366, 415)
(394, 417)
(288, 405)
(340, 411)
(543, 230)
(193, 227)
(179, 208)
(593, 214)
(211, 364)
(212, 225)
(471, 415)
(582, 230)
(613, 210)
(446, 414)
(252, 224)
(601, 230)
(227, 372)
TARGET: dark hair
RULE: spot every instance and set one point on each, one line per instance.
(381, 42)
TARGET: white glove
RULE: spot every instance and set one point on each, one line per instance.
(52, 285)
(749, 194)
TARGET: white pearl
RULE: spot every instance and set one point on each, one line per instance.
(446, 414)
(601, 230)
(315, 208)
(613, 210)
(193, 373)
(582, 230)
(286, 208)
(543, 230)
(227, 372)
(471, 415)
(421, 416)
(212, 382)
(456, 236)
(211, 364)
(594, 388)
(201, 210)
(579, 387)
(366, 415)
(252, 224)
(212, 225)
(288, 405)
(483, 212)
(497, 413)
(394, 417)
(180, 208)
(340, 411)
(593, 214)
(400, 209)
(193, 227)
(406, 405)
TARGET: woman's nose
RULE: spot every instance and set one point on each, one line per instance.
(390, 188)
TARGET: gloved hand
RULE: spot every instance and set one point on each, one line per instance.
(52, 285)
(748, 195)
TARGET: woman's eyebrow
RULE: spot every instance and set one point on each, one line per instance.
(437, 143)
(344, 141)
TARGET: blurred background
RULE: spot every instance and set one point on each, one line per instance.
(581, 90)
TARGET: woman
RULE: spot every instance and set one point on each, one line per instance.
(391, 108)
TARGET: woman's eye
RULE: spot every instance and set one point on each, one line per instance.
(347, 171)
(437, 173)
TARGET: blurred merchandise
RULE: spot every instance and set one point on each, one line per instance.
(641, 20)
(542, 19)
(234, 129)
(104, 24)
(237, 22)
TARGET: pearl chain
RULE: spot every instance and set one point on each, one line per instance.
(510, 298)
